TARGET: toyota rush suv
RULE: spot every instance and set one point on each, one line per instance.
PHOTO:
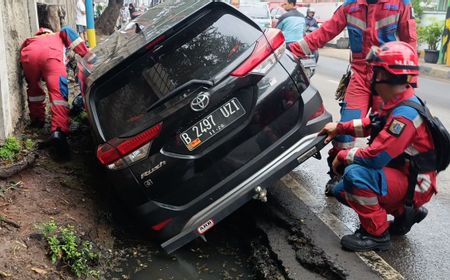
(195, 110)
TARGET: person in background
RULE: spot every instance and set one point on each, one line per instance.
(81, 19)
(311, 22)
(132, 10)
(124, 16)
(291, 23)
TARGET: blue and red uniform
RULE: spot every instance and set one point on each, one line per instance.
(370, 185)
(43, 58)
(368, 25)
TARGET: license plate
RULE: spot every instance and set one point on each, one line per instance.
(212, 124)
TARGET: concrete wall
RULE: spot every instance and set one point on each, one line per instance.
(18, 21)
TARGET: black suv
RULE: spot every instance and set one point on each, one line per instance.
(195, 110)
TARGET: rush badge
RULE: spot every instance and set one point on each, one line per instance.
(396, 128)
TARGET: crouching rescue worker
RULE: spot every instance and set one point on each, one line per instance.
(376, 179)
(369, 23)
(43, 58)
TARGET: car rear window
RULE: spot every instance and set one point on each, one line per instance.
(200, 52)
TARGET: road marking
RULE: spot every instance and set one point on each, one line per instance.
(333, 82)
(372, 259)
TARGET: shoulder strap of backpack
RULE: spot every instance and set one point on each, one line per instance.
(419, 107)
(412, 178)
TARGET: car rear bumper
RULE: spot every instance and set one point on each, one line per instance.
(242, 193)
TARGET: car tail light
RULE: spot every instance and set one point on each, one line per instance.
(318, 113)
(118, 152)
(269, 48)
(162, 224)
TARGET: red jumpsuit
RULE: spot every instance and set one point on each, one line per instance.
(369, 185)
(43, 58)
(367, 25)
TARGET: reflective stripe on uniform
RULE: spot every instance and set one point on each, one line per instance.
(410, 150)
(417, 121)
(356, 22)
(351, 155)
(358, 127)
(38, 98)
(387, 21)
(75, 43)
(60, 103)
(304, 47)
(423, 183)
(362, 200)
(347, 145)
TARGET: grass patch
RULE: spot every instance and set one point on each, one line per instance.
(65, 247)
(13, 147)
(10, 149)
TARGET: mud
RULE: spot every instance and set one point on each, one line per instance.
(63, 192)
(266, 264)
(307, 254)
(240, 247)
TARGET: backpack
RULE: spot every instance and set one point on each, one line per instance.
(440, 135)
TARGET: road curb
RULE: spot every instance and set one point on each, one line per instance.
(436, 73)
(371, 259)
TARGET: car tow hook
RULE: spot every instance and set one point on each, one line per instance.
(317, 156)
(261, 194)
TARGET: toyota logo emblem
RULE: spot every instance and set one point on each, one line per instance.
(200, 102)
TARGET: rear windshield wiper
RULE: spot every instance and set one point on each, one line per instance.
(175, 92)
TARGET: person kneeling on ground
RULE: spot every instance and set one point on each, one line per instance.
(42, 57)
(375, 179)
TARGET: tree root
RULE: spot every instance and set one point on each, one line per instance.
(9, 170)
(7, 221)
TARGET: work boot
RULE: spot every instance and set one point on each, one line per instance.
(329, 187)
(362, 241)
(400, 227)
(37, 124)
(59, 147)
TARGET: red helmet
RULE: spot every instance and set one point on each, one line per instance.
(398, 58)
(43, 30)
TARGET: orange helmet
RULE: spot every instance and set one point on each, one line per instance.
(43, 30)
(398, 58)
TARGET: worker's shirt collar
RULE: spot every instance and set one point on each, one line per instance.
(407, 94)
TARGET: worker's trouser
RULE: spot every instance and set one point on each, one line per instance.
(374, 193)
(40, 65)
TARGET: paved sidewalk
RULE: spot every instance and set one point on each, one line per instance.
(433, 70)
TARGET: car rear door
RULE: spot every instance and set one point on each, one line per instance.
(197, 89)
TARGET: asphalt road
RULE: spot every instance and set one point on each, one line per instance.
(423, 253)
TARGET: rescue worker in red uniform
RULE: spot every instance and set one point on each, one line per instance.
(375, 180)
(369, 23)
(43, 58)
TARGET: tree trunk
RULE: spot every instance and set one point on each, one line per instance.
(106, 23)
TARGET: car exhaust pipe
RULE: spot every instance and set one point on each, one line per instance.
(261, 194)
